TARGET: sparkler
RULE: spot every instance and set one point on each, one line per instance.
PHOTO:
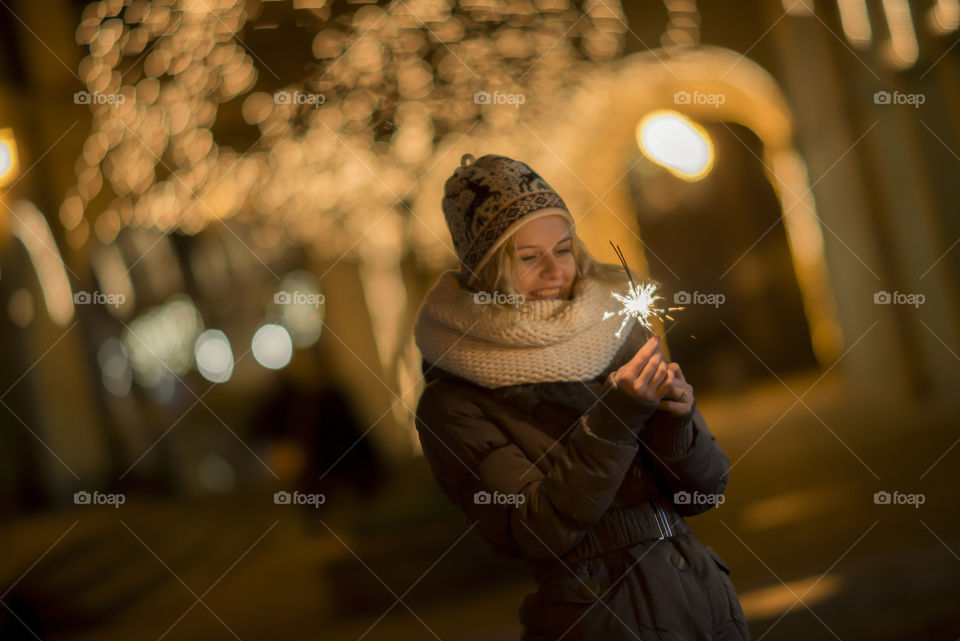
(640, 301)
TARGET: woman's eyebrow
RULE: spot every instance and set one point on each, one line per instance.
(562, 240)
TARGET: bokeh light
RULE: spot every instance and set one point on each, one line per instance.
(676, 143)
(214, 356)
(272, 346)
(8, 156)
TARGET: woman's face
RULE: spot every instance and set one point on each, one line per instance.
(545, 267)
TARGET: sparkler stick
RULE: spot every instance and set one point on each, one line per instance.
(640, 301)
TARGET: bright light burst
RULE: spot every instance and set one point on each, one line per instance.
(640, 301)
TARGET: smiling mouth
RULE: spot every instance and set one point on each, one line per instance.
(546, 293)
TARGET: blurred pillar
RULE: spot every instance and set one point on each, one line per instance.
(58, 394)
(386, 296)
(63, 382)
(852, 244)
(354, 354)
(911, 215)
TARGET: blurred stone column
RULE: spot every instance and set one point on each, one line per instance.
(351, 340)
(877, 366)
(912, 217)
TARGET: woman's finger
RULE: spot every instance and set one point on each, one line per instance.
(679, 391)
(657, 380)
(675, 367)
(667, 384)
(649, 371)
(642, 357)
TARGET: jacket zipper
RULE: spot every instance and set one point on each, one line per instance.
(656, 515)
(662, 516)
(666, 520)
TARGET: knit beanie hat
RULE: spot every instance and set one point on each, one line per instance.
(487, 199)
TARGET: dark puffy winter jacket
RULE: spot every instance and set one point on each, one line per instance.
(590, 486)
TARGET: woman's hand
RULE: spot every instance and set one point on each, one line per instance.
(648, 377)
(645, 376)
(677, 395)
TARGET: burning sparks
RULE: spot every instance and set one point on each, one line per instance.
(640, 301)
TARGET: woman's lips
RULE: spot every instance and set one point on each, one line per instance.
(546, 293)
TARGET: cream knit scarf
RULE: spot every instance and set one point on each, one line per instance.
(538, 341)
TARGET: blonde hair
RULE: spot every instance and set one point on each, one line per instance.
(496, 275)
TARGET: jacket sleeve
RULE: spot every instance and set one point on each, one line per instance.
(534, 509)
(686, 459)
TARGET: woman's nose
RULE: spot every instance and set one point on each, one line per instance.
(550, 266)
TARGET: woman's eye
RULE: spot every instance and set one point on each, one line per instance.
(527, 257)
(564, 251)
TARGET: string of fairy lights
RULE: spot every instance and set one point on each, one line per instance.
(341, 159)
(339, 156)
(344, 159)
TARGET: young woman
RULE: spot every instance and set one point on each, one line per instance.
(570, 446)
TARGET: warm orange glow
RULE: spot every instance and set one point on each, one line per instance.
(318, 174)
(944, 16)
(855, 21)
(30, 226)
(9, 159)
(767, 603)
(676, 143)
(902, 49)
